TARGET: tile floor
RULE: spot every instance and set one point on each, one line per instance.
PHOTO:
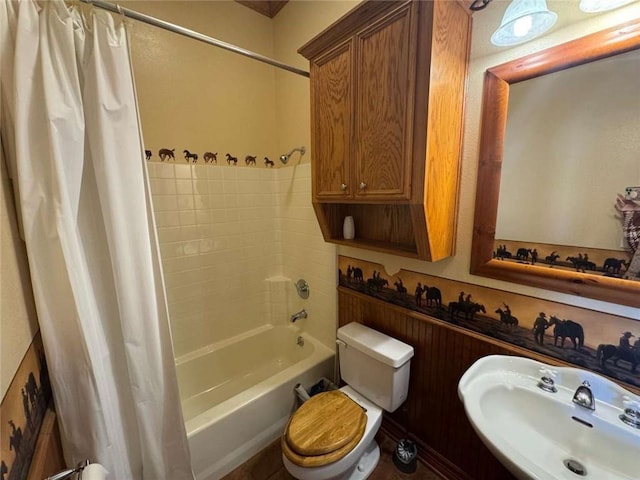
(267, 465)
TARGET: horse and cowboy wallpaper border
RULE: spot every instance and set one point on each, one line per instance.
(23, 408)
(604, 343)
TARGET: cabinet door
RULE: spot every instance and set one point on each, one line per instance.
(385, 69)
(332, 114)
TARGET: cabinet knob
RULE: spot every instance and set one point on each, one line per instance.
(362, 186)
(343, 187)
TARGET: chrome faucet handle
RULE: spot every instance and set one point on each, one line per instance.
(629, 402)
(547, 382)
(631, 415)
(548, 372)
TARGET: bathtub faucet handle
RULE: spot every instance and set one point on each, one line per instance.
(298, 315)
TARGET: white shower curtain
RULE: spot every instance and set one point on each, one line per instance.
(71, 137)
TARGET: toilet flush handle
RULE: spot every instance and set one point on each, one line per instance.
(340, 343)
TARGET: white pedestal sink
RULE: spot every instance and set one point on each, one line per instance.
(544, 435)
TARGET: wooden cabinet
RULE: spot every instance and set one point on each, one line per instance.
(332, 107)
(387, 97)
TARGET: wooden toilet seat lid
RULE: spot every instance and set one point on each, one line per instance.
(325, 423)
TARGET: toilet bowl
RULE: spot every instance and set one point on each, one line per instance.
(356, 464)
(332, 437)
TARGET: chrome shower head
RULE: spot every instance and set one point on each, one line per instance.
(285, 158)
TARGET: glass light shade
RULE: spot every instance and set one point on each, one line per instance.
(594, 6)
(523, 21)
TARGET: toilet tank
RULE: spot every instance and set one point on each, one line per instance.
(374, 364)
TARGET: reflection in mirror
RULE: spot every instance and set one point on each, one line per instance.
(571, 145)
(548, 177)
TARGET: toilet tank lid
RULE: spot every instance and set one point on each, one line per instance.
(383, 348)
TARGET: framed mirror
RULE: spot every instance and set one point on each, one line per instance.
(496, 244)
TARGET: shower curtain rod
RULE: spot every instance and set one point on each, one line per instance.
(156, 22)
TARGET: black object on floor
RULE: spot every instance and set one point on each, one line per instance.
(405, 456)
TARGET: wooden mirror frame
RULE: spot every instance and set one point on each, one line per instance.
(606, 43)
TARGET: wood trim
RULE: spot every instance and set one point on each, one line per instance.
(268, 8)
(48, 458)
(613, 41)
(450, 46)
(596, 46)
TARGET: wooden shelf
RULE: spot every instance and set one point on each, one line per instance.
(378, 246)
(384, 228)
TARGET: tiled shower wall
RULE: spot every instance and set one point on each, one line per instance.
(233, 240)
(306, 255)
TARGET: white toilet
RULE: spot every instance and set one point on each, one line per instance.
(331, 436)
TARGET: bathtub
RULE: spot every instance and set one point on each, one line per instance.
(238, 395)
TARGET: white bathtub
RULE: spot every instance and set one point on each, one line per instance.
(237, 396)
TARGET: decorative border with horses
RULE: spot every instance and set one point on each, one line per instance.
(595, 261)
(593, 340)
(23, 408)
(211, 158)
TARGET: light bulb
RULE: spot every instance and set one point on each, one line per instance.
(522, 21)
(522, 26)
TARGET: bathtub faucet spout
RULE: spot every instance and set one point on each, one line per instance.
(297, 316)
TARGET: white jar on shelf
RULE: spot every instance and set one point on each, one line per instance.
(348, 228)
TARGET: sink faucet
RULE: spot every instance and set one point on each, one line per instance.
(584, 396)
(298, 315)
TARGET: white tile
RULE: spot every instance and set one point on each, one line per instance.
(231, 215)
(189, 232)
(170, 250)
(201, 201)
(163, 203)
(183, 171)
(231, 201)
(229, 187)
(163, 186)
(203, 217)
(169, 234)
(218, 215)
(229, 173)
(201, 186)
(191, 247)
(167, 219)
(187, 217)
(185, 202)
(199, 171)
(205, 230)
(206, 245)
(215, 172)
(215, 185)
(152, 170)
(184, 187)
(164, 170)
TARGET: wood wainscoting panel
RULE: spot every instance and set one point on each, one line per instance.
(23, 411)
(433, 415)
(48, 458)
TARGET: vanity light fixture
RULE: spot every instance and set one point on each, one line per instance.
(522, 21)
(595, 6)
